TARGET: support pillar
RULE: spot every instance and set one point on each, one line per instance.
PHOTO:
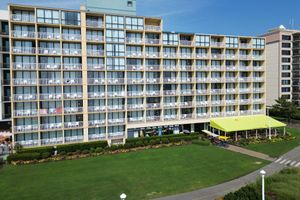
(236, 136)
(246, 134)
(275, 130)
(266, 133)
(219, 132)
(284, 131)
(192, 128)
(270, 133)
(256, 134)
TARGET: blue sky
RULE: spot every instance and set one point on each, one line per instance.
(234, 17)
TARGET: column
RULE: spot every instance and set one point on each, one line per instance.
(192, 128)
(236, 136)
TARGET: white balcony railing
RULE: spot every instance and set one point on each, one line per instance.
(50, 141)
(24, 97)
(74, 66)
(49, 66)
(73, 95)
(96, 108)
(152, 28)
(72, 52)
(73, 37)
(21, 81)
(24, 66)
(48, 35)
(23, 34)
(26, 128)
(51, 126)
(76, 138)
(132, 40)
(96, 66)
(28, 143)
(92, 52)
(50, 96)
(50, 81)
(23, 50)
(73, 124)
(94, 38)
(31, 112)
(73, 109)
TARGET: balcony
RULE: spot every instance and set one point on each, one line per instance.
(75, 66)
(115, 107)
(186, 42)
(26, 128)
(217, 56)
(152, 41)
(115, 81)
(135, 107)
(116, 121)
(231, 79)
(170, 105)
(217, 68)
(186, 67)
(96, 94)
(134, 54)
(76, 138)
(245, 112)
(186, 104)
(73, 124)
(152, 28)
(96, 81)
(116, 135)
(230, 56)
(186, 116)
(97, 123)
(27, 113)
(245, 68)
(169, 55)
(73, 95)
(202, 115)
(24, 66)
(245, 57)
(70, 110)
(187, 92)
(132, 40)
(135, 67)
(216, 91)
(258, 90)
(23, 34)
(258, 57)
(153, 67)
(202, 103)
(97, 136)
(217, 102)
(71, 52)
(245, 79)
(49, 51)
(153, 93)
(22, 18)
(49, 66)
(258, 100)
(52, 126)
(186, 55)
(258, 79)
(116, 94)
(96, 66)
(23, 50)
(94, 23)
(231, 102)
(202, 91)
(50, 81)
(91, 52)
(202, 80)
(50, 96)
(153, 105)
(72, 81)
(170, 92)
(170, 80)
(245, 46)
(24, 97)
(49, 36)
(153, 118)
(258, 111)
(152, 54)
(244, 90)
(258, 68)
(202, 55)
(231, 68)
(153, 80)
(135, 80)
(94, 38)
(50, 111)
(231, 113)
(96, 108)
(170, 117)
(51, 141)
(170, 67)
(135, 93)
(28, 143)
(217, 44)
(71, 37)
(216, 79)
(20, 81)
(136, 119)
(216, 114)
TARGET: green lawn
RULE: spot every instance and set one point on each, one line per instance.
(141, 175)
(277, 148)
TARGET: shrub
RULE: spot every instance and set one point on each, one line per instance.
(1, 161)
(23, 157)
(129, 145)
(81, 146)
(85, 151)
(92, 150)
(45, 155)
(139, 144)
(18, 147)
(245, 193)
(99, 150)
(40, 150)
(165, 140)
(154, 142)
(62, 153)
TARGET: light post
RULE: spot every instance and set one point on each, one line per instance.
(123, 196)
(262, 173)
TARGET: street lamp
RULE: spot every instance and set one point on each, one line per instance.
(262, 173)
(123, 196)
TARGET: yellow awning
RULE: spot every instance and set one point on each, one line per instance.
(243, 123)
(223, 138)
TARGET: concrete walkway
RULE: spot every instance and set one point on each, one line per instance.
(220, 190)
(250, 153)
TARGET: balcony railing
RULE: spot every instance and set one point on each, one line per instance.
(258, 79)
(135, 107)
(135, 93)
(153, 93)
(49, 66)
(135, 119)
(115, 81)
(134, 54)
(116, 121)
(170, 117)
(186, 116)
(258, 90)
(153, 67)
(216, 79)
(76, 138)
(115, 107)
(96, 108)
(245, 101)
(152, 54)
(202, 55)
(23, 18)
(73, 124)
(170, 67)
(258, 57)
(245, 112)
(245, 57)
(50, 96)
(258, 68)
(217, 44)
(92, 52)
(231, 68)
(96, 81)
(96, 66)
(132, 40)
(152, 41)
(231, 102)
(231, 113)
(116, 94)
(170, 105)
(231, 79)
(72, 81)
(49, 51)
(230, 56)
(50, 141)
(186, 42)
(134, 67)
(153, 105)
(202, 91)
(73, 52)
(153, 118)
(97, 123)
(202, 80)
(258, 111)
(26, 128)
(73, 95)
(244, 90)
(20, 81)
(244, 79)
(73, 109)
(202, 103)
(245, 68)
(49, 36)
(51, 126)
(217, 102)
(186, 104)
(23, 50)
(97, 136)
(31, 112)
(170, 92)
(23, 34)
(169, 55)
(245, 46)
(24, 97)
(231, 90)
(186, 67)
(96, 94)
(73, 37)
(170, 80)
(51, 111)
(217, 91)
(116, 135)
(216, 114)
(50, 81)
(152, 80)
(135, 80)
(75, 66)
(186, 92)
(217, 68)
(95, 38)
(202, 115)
(217, 56)
(94, 23)
(28, 143)
(24, 66)
(152, 28)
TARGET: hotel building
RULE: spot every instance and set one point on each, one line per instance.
(79, 75)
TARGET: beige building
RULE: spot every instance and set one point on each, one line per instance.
(78, 76)
(282, 61)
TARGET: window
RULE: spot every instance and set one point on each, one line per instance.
(286, 67)
(285, 89)
(129, 4)
(4, 28)
(115, 49)
(115, 63)
(114, 22)
(286, 74)
(285, 60)
(232, 42)
(285, 53)
(70, 18)
(285, 82)
(115, 36)
(134, 23)
(258, 43)
(202, 40)
(286, 37)
(286, 45)
(170, 39)
(48, 16)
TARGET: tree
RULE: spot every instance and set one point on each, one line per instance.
(284, 108)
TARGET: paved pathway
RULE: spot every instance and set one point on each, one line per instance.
(291, 158)
(250, 152)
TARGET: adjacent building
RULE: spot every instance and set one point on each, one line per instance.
(78, 75)
(282, 61)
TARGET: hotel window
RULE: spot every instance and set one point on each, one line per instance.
(170, 39)
(129, 4)
(114, 22)
(115, 63)
(258, 43)
(286, 67)
(285, 82)
(285, 60)
(115, 36)
(115, 49)
(285, 52)
(70, 18)
(286, 45)
(202, 40)
(285, 89)
(285, 74)
(232, 42)
(48, 16)
(134, 23)
(286, 37)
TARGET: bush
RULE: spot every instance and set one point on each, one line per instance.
(165, 140)
(245, 193)
(45, 155)
(139, 144)
(85, 151)
(154, 142)
(23, 157)
(99, 150)
(62, 153)
(1, 161)
(81, 146)
(18, 147)
(40, 150)
(201, 142)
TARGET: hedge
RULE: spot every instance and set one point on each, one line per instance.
(245, 193)
(81, 146)
(23, 156)
(40, 150)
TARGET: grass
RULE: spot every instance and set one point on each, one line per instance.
(277, 148)
(141, 175)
